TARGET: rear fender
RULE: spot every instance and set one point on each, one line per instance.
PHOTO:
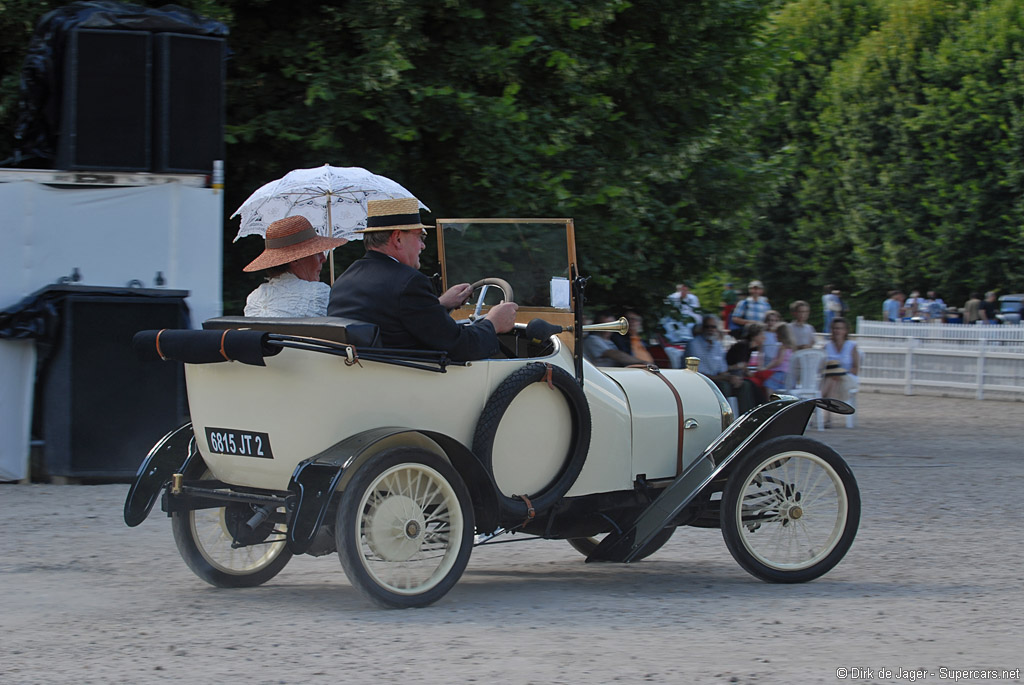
(175, 453)
(316, 479)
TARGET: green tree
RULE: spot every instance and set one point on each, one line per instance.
(898, 125)
(611, 112)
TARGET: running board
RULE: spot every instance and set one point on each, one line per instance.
(787, 416)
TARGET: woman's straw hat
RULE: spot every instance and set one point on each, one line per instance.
(834, 368)
(401, 214)
(289, 239)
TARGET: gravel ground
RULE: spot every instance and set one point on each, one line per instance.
(933, 581)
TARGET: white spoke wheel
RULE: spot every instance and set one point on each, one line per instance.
(207, 540)
(405, 528)
(790, 510)
(587, 545)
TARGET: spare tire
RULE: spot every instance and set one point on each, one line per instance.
(515, 507)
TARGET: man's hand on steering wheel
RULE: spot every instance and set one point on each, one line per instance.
(503, 316)
(456, 296)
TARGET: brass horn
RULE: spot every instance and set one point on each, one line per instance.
(621, 326)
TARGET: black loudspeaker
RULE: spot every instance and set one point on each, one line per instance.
(189, 79)
(107, 101)
(103, 408)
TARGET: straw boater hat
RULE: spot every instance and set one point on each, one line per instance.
(834, 368)
(402, 214)
(289, 239)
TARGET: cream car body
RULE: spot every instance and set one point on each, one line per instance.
(305, 404)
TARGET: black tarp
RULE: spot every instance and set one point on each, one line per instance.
(42, 73)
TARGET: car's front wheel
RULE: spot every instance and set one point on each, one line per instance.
(405, 528)
(790, 510)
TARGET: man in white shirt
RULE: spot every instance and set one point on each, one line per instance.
(684, 300)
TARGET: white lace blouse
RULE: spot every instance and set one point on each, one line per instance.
(288, 295)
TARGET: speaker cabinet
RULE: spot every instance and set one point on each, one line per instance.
(189, 78)
(107, 99)
(103, 408)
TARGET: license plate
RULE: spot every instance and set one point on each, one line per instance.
(239, 443)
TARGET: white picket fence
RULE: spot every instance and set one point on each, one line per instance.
(977, 359)
(939, 334)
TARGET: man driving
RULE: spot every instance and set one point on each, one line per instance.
(386, 288)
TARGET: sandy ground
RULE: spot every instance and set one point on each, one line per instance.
(935, 580)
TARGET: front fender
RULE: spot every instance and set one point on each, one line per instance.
(316, 479)
(175, 453)
(785, 416)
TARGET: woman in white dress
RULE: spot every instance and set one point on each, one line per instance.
(842, 363)
(292, 259)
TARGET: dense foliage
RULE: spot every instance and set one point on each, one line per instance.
(867, 143)
(901, 121)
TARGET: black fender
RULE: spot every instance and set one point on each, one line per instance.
(784, 416)
(316, 479)
(175, 453)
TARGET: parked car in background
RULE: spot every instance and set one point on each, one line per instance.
(1010, 308)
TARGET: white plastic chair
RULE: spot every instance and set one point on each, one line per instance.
(803, 379)
(851, 419)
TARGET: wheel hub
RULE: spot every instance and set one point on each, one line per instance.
(795, 512)
(394, 528)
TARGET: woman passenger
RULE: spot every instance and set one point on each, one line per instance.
(292, 260)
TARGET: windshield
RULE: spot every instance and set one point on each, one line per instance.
(533, 255)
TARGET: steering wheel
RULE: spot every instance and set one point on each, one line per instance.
(483, 285)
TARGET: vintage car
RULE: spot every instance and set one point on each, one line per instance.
(307, 437)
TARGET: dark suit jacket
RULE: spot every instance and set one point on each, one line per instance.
(398, 298)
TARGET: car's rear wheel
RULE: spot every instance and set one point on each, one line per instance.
(587, 545)
(405, 528)
(790, 510)
(219, 546)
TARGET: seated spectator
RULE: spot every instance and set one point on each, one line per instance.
(707, 346)
(601, 351)
(632, 343)
(842, 365)
(773, 376)
(747, 347)
(292, 259)
(772, 321)
(912, 306)
(742, 357)
(936, 308)
(800, 331)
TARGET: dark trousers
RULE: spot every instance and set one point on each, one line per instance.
(747, 394)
